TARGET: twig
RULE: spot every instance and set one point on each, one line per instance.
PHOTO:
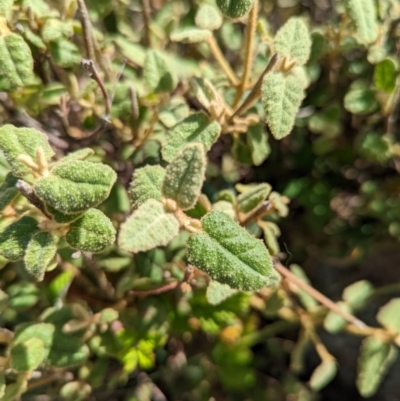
(217, 53)
(248, 52)
(87, 30)
(6, 336)
(147, 20)
(265, 208)
(318, 296)
(393, 117)
(27, 191)
(88, 64)
(134, 110)
(255, 93)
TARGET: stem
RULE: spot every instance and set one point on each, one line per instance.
(6, 336)
(248, 52)
(155, 291)
(134, 110)
(88, 64)
(318, 296)
(217, 53)
(146, 19)
(255, 93)
(265, 208)
(87, 30)
(27, 191)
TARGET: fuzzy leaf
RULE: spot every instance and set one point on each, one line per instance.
(28, 355)
(357, 293)
(80, 154)
(217, 292)
(62, 218)
(8, 191)
(185, 175)
(360, 101)
(323, 374)
(17, 141)
(14, 239)
(293, 41)
(206, 94)
(235, 8)
(76, 186)
(39, 254)
(208, 17)
(5, 10)
(253, 198)
(16, 62)
(334, 322)
(257, 141)
(271, 232)
(148, 227)
(376, 357)
(363, 15)
(385, 75)
(230, 255)
(388, 315)
(190, 35)
(92, 232)
(281, 98)
(156, 74)
(146, 184)
(54, 29)
(195, 128)
(65, 53)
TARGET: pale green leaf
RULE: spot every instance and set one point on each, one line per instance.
(14, 239)
(360, 101)
(257, 140)
(323, 374)
(185, 175)
(6, 7)
(306, 299)
(281, 97)
(357, 293)
(363, 15)
(208, 17)
(14, 390)
(217, 292)
(65, 53)
(253, 198)
(148, 227)
(16, 62)
(271, 232)
(80, 154)
(196, 128)
(376, 357)
(190, 35)
(385, 75)
(146, 184)
(54, 29)
(62, 218)
(92, 232)
(2, 385)
(75, 391)
(156, 74)
(8, 191)
(235, 8)
(388, 315)
(27, 355)
(230, 255)
(334, 322)
(39, 254)
(17, 141)
(293, 41)
(76, 186)
(205, 92)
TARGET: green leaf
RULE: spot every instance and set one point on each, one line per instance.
(281, 97)
(208, 17)
(257, 140)
(65, 53)
(8, 191)
(2, 385)
(306, 299)
(253, 198)
(357, 293)
(5, 10)
(148, 227)
(156, 74)
(61, 218)
(185, 175)
(39, 254)
(217, 292)
(334, 322)
(327, 121)
(323, 374)
(388, 315)
(376, 357)
(385, 75)
(54, 29)
(14, 239)
(76, 186)
(230, 255)
(16, 62)
(80, 154)
(293, 41)
(196, 128)
(360, 101)
(92, 232)
(146, 184)
(271, 232)
(27, 355)
(235, 8)
(17, 141)
(363, 15)
(190, 35)
(75, 391)
(14, 390)
(205, 92)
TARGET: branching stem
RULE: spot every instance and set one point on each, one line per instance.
(87, 30)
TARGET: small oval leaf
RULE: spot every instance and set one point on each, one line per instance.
(235, 8)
